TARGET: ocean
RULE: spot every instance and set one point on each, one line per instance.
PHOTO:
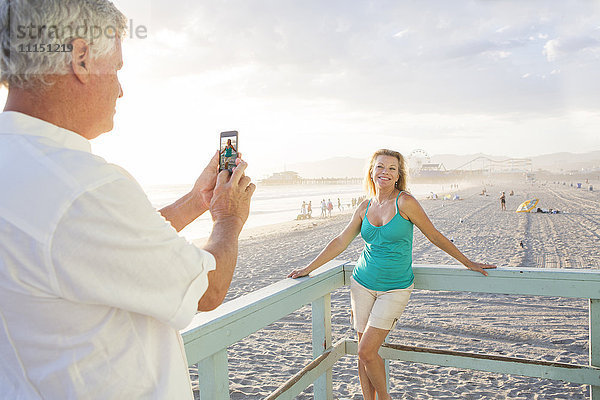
(275, 204)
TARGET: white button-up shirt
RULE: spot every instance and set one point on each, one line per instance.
(94, 282)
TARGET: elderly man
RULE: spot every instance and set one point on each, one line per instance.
(94, 283)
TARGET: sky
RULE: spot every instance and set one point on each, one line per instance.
(310, 80)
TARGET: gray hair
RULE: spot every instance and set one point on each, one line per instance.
(36, 36)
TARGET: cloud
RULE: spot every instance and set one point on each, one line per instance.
(401, 33)
(558, 48)
(384, 56)
(552, 49)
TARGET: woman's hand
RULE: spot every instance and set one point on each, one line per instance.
(480, 267)
(297, 273)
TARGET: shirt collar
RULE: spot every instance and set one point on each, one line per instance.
(13, 122)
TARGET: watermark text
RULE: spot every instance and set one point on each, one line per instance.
(85, 31)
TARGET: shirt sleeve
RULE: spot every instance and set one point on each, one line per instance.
(112, 248)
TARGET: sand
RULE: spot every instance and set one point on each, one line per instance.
(542, 328)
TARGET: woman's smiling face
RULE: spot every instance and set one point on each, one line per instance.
(385, 171)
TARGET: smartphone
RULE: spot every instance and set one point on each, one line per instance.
(228, 150)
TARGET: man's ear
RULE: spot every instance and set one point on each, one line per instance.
(81, 59)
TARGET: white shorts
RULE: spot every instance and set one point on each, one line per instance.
(377, 309)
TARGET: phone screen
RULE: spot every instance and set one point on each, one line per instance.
(228, 150)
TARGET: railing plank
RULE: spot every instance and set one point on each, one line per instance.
(582, 284)
(580, 374)
(296, 385)
(245, 315)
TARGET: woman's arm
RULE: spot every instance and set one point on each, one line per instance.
(337, 245)
(411, 207)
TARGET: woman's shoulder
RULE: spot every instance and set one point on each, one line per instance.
(362, 207)
(407, 205)
(406, 198)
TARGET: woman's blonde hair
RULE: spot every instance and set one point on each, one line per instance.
(402, 172)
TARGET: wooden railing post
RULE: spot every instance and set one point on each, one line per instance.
(387, 367)
(321, 341)
(213, 377)
(595, 343)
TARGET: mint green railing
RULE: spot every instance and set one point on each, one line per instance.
(208, 336)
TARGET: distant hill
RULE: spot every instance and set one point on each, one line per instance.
(341, 167)
(559, 162)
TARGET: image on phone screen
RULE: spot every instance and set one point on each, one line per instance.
(228, 150)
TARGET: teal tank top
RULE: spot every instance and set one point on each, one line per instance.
(386, 261)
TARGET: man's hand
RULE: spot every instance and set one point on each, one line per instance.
(205, 184)
(231, 194)
(195, 203)
(229, 207)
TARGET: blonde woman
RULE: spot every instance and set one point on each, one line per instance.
(382, 280)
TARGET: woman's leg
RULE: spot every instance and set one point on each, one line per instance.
(368, 389)
(372, 363)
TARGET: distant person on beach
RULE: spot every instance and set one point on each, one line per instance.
(303, 211)
(382, 280)
(229, 154)
(323, 209)
(503, 202)
(96, 283)
(309, 209)
(329, 207)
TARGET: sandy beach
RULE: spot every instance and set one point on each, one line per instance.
(543, 328)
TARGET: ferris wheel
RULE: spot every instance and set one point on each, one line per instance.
(417, 158)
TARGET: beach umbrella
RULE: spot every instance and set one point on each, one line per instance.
(527, 205)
